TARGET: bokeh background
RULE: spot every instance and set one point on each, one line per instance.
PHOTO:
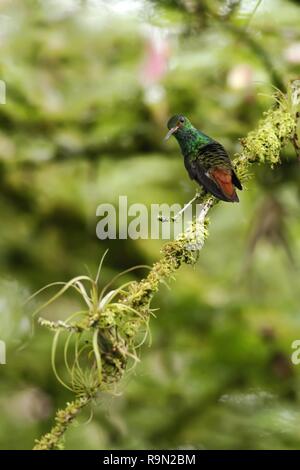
(89, 88)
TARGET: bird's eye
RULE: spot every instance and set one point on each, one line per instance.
(181, 119)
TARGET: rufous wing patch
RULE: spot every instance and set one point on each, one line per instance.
(223, 179)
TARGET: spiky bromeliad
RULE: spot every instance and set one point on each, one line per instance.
(205, 159)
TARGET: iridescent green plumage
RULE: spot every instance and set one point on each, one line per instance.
(205, 159)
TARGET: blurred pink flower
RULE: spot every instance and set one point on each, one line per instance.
(156, 62)
(240, 77)
(292, 53)
(30, 404)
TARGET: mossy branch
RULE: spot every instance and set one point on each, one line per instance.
(115, 324)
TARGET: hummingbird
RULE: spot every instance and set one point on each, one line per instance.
(205, 159)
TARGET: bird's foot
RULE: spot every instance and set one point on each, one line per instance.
(174, 218)
(163, 218)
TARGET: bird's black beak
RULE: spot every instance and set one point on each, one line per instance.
(171, 132)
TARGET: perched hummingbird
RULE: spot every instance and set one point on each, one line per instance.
(205, 159)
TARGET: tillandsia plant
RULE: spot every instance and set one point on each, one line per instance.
(102, 341)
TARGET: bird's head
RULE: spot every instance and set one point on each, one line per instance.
(177, 124)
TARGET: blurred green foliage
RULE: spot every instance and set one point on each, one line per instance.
(85, 113)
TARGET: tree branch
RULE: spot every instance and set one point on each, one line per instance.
(114, 326)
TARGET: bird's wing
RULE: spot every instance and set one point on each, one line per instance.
(213, 169)
(223, 178)
(198, 173)
(236, 180)
(215, 155)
